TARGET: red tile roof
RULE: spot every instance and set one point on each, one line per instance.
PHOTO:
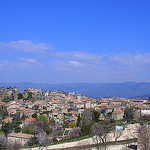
(30, 119)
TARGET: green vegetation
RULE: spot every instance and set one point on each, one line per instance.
(28, 130)
(13, 126)
(96, 115)
(20, 96)
(42, 118)
(6, 99)
(72, 124)
(29, 97)
(3, 112)
(34, 115)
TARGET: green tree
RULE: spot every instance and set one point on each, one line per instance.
(72, 124)
(6, 100)
(96, 115)
(29, 95)
(34, 115)
(6, 128)
(42, 118)
(16, 128)
(85, 129)
(23, 117)
(28, 130)
(3, 112)
(16, 119)
(78, 120)
(128, 114)
(48, 130)
(20, 96)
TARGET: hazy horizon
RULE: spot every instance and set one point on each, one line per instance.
(75, 82)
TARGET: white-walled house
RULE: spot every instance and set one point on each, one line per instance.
(19, 138)
(145, 111)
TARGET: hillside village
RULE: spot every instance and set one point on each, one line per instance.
(62, 110)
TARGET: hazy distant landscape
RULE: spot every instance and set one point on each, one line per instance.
(94, 90)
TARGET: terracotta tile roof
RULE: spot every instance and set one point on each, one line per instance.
(56, 102)
(138, 100)
(73, 112)
(110, 107)
(147, 102)
(38, 103)
(118, 112)
(7, 120)
(30, 119)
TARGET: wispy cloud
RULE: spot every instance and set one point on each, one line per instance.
(20, 63)
(109, 67)
(28, 63)
(6, 65)
(75, 63)
(102, 67)
(28, 60)
(76, 55)
(26, 46)
(131, 59)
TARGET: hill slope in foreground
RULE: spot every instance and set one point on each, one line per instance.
(94, 90)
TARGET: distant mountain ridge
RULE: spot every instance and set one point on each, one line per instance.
(94, 90)
(145, 96)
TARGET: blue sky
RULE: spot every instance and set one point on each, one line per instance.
(73, 41)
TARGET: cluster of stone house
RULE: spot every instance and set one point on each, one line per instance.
(58, 106)
(68, 106)
(8, 92)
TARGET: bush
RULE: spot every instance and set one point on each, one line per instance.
(42, 118)
(75, 132)
(72, 124)
(85, 129)
(28, 130)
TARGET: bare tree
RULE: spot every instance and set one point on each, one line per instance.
(144, 138)
(3, 141)
(43, 140)
(101, 135)
(75, 132)
(56, 130)
(117, 134)
(13, 145)
(38, 130)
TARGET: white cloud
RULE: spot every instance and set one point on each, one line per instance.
(28, 63)
(6, 65)
(77, 55)
(88, 65)
(131, 59)
(75, 63)
(26, 46)
(20, 63)
(112, 67)
(29, 60)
